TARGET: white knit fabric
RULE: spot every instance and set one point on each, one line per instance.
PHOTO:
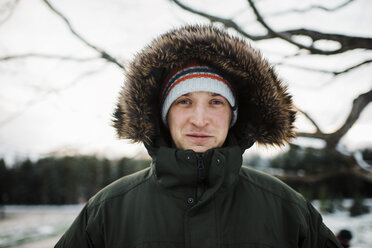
(199, 84)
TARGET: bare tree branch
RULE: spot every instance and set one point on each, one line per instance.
(45, 56)
(332, 139)
(228, 23)
(10, 8)
(352, 67)
(318, 130)
(335, 73)
(312, 7)
(322, 136)
(359, 104)
(346, 42)
(283, 36)
(103, 53)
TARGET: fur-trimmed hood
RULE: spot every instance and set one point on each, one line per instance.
(266, 113)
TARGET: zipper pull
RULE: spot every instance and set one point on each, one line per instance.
(200, 187)
(200, 162)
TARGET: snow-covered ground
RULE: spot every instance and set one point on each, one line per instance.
(41, 226)
(28, 224)
(360, 226)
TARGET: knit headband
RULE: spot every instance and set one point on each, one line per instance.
(192, 78)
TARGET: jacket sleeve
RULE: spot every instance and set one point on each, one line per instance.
(318, 234)
(76, 236)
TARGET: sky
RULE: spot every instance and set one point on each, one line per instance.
(59, 106)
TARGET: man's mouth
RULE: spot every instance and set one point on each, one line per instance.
(199, 137)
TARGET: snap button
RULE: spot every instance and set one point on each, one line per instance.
(218, 161)
(190, 200)
(188, 157)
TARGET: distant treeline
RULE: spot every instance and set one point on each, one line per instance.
(315, 164)
(73, 179)
(61, 180)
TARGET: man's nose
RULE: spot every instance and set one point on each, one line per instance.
(199, 117)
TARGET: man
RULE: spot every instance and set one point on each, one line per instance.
(198, 98)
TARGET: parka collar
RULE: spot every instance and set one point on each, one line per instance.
(177, 170)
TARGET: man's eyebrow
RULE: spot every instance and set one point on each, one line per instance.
(211, 93)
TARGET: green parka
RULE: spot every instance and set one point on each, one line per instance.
(185, 199)
(160, 207)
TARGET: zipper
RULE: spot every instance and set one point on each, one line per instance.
(200, 184)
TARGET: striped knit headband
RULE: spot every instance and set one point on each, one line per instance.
(191, 78)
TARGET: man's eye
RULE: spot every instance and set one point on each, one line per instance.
(216, 102)
(183, 101)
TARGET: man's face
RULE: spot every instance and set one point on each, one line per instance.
(199, 121)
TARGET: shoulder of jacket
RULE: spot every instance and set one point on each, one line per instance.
(271, 185)
(120, 187)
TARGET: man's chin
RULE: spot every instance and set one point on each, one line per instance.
(200, 148)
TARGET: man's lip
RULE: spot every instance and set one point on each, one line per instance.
(199, 138)
(198, 135)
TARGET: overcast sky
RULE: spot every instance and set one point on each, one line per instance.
(65, 106)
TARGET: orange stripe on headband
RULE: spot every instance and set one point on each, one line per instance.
(199, 75)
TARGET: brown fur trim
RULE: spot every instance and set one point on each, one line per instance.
(266, 113)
